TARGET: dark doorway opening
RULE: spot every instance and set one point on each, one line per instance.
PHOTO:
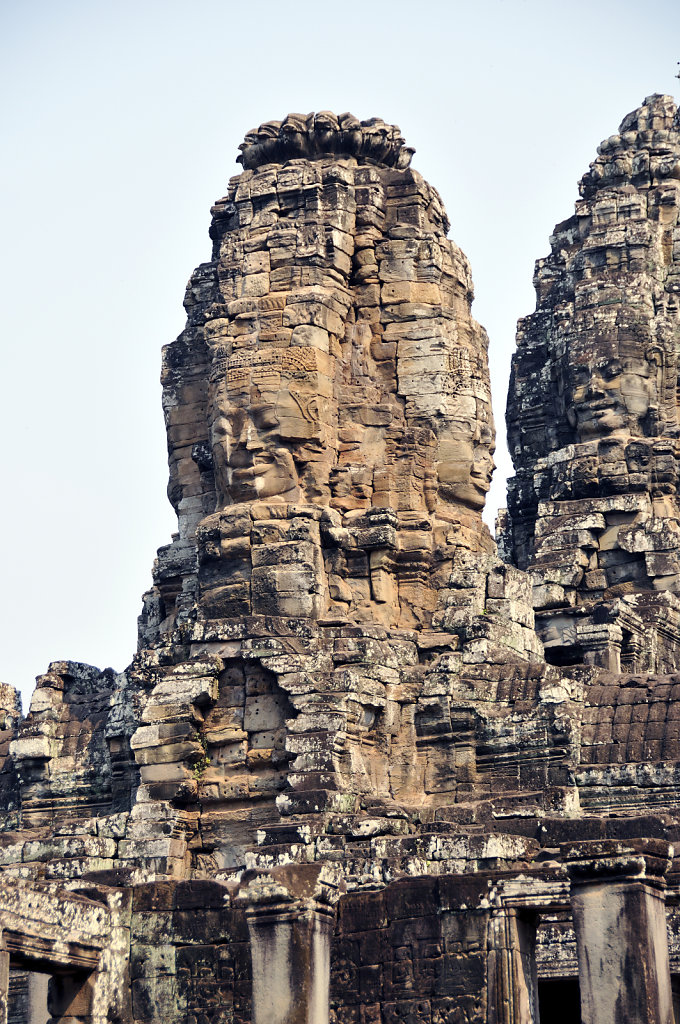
(564, 655)
(675, 989)
(559, 1001)
(27, 997)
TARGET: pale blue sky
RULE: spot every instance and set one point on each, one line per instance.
(120, 128)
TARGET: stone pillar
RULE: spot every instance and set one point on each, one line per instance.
(37, 985)
(4, 981)
(69, 997)
(601, 643)
(513, 988)
(290, 920)
(618, 905)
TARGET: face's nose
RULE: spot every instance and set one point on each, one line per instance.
(220, 429)
(595, 387)
(252, 440)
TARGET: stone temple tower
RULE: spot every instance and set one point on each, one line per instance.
(329, 419)
(339, 782)
(593, 422)
(331, 443)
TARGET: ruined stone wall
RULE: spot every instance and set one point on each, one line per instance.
(10, 715)
(190, 955)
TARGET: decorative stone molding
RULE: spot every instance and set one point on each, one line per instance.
(315, 136)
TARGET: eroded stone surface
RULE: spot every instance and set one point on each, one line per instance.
(339, 751)
(593, 414)
(328, 408)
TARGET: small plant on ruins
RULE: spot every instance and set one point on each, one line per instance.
(203, 762)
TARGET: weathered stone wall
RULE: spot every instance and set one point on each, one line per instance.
(60, 751)
(411, 953)
(10, 715)
(328, 403)
(592, 411)
(339, 738)
(190, 955)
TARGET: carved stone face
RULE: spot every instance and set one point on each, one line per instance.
(464, 470)
(307, 382)
(255, 434)
(259, 466)
(618, 394)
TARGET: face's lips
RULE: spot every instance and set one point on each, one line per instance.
(250, 472)
(258, 463)
(593, 407)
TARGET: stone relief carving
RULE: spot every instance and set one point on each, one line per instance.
(344, 373)
(339, 699)
(593, 407)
